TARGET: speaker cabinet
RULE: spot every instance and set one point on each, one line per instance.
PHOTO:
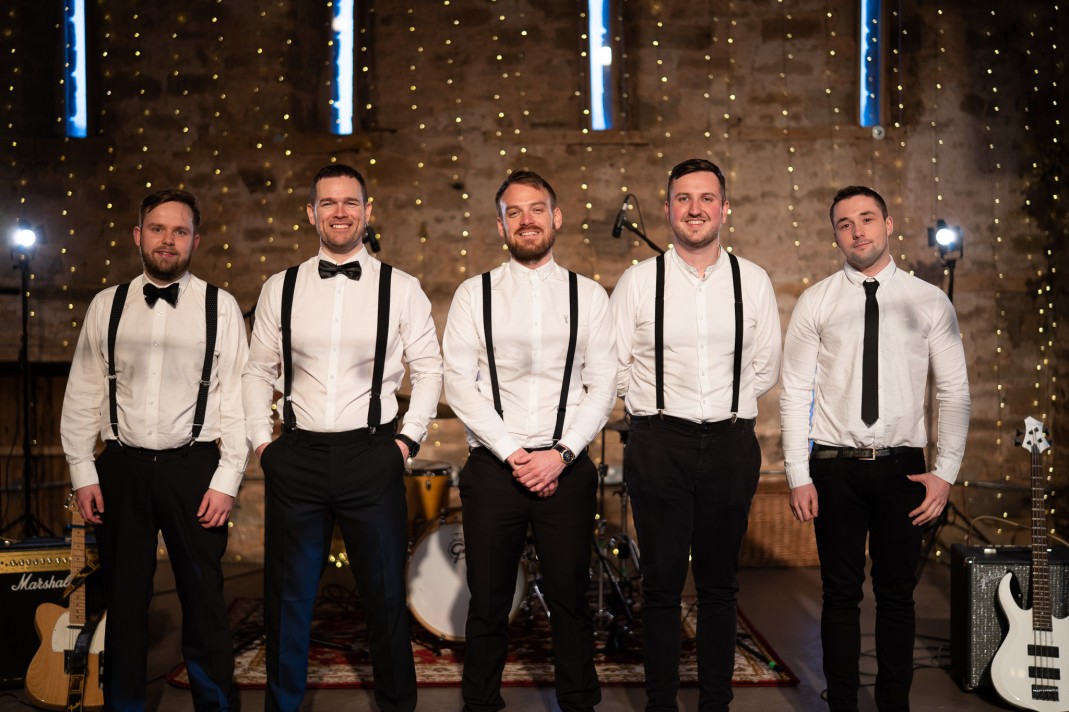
(33, 572)
(977, 626)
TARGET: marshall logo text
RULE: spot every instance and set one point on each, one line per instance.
(30, 582)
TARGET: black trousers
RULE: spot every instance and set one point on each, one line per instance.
(859, 500)
(691, 486)
(357, 479)
(147, 492)
(497, 511)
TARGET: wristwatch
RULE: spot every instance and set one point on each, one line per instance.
(413, 446)
(566, 455)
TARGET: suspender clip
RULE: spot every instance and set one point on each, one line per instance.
(371, 431)
(660, 413)
(734, 417)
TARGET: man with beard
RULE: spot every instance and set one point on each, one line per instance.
(530, 369)
(341, 326)
(698, 340)
(857, 356)
(174, 450)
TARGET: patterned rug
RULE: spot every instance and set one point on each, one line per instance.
(338, 657)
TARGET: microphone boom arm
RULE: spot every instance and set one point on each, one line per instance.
(631, 228)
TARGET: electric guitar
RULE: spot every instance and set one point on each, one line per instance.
(1029, 670)
(65, 672)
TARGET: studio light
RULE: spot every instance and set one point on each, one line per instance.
(947, 239)
(23, 237)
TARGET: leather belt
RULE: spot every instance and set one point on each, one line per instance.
(827, 452)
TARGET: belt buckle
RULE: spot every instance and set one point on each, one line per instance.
(872, 451)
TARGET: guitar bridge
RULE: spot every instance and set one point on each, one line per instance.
(1047, 693)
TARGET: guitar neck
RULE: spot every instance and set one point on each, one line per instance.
(76, 609)
(1041, 603)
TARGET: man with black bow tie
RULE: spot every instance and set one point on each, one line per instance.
(157, 376)
(341, 327)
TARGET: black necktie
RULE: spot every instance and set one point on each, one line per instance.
(329, 269)
(870, 378)
(168, 294)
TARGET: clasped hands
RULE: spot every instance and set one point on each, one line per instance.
(537, 471)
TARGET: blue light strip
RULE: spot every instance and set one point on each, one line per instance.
(343, 29)
(600, 56)
(871, 68)
(76, 124)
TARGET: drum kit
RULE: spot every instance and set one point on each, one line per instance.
(436, 572)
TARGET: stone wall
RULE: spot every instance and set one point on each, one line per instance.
(229, 99)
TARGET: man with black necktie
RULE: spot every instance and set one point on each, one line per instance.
(339, 328)
(855, 364)
(157, 376)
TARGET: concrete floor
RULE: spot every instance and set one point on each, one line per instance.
(783, 603)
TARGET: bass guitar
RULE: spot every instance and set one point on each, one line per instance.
(65, 672)
(1029, 670)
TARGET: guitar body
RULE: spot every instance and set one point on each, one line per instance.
(48, 679)
(1031, 678)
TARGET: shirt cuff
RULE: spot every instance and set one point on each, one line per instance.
(84, 474)
(505, 447)
(259, 438)
(226, 481)
(798, 474)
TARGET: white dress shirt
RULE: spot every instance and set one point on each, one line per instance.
(334, 325)
(699, 338)
(822, 370)
(530, 309)
(159, 357)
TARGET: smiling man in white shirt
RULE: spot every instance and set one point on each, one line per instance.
(341, 326)
(698, 339)
(530, 370)
(855, 364)
(174, 452)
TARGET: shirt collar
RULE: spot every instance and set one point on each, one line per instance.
(362, 257)
(721, 258)
(518, 271)
(856, 277)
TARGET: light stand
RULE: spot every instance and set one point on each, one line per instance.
(950, 243)
(23, 242)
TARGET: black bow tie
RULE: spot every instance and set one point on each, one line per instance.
(168, 294)
(329, 269)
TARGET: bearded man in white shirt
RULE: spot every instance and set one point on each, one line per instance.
(532, 390)
(174, 450)
(856, 360)
(341, 327)
(698, 340)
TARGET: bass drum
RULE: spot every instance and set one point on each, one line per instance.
(437, 581)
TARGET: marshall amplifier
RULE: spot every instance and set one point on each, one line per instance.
(31, 573)
(977, 625)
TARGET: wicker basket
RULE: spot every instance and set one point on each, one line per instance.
(774, 537)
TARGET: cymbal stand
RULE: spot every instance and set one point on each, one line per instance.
(534, 573)
(616, 624)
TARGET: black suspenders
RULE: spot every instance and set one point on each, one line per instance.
(211, 316)
(374, 413)
(658, 335)
(573, 338)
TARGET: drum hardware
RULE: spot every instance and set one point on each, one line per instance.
(436, 577)
(427, 487)
(617, 563)
(529, 560)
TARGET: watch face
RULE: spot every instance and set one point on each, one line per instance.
(566, 455)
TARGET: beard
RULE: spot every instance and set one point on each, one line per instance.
(529, 252)
(164, 270)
